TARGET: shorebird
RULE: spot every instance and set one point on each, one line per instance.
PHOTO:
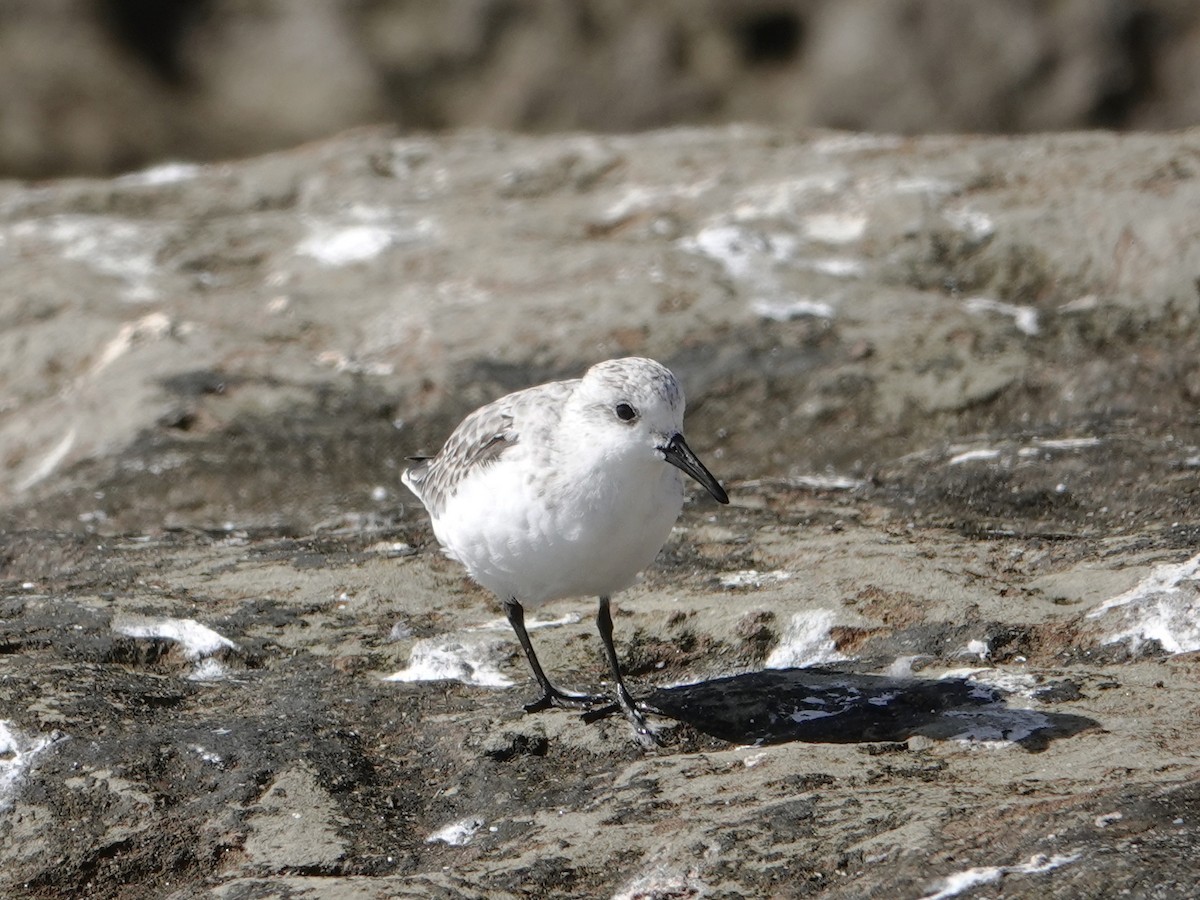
(566, 489)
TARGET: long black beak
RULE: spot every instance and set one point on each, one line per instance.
(680, 455)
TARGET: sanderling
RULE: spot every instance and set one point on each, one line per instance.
(566, 489)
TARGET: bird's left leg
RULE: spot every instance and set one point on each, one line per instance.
(624, 699)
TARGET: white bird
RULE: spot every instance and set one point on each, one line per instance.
(563, 490)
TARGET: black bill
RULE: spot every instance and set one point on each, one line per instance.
(680, 455)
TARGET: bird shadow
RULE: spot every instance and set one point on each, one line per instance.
(776, 706)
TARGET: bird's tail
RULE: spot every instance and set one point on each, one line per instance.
(414, 476)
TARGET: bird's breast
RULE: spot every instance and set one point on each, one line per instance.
(539, 539)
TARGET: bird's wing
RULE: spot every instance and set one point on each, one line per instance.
(482, 438)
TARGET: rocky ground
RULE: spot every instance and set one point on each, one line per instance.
(942, 642)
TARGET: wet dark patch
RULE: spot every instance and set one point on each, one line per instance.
(648, 654)
(817, 705)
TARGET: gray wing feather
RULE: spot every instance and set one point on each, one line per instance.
(481, 439)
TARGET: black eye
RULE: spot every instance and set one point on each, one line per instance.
(625, 412)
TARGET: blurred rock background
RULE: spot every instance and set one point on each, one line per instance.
(101, 86)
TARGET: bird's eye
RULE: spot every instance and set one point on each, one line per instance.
(625, 412)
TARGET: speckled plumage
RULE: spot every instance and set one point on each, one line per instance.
(483, 437)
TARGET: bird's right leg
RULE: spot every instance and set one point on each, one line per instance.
(551, 695)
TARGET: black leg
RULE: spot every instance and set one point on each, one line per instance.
(551, 696)
(624, 699)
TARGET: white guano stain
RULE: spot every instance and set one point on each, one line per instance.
(1164, 606)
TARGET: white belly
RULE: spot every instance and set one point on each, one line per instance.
(523, 539)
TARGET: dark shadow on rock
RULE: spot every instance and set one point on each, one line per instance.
(821, 706)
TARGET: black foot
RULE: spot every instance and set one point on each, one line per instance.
(595, 714)
(634, 712)
(553, 697)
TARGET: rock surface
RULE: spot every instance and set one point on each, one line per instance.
(942, 643)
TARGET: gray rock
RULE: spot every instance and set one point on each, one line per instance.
(949, 382)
